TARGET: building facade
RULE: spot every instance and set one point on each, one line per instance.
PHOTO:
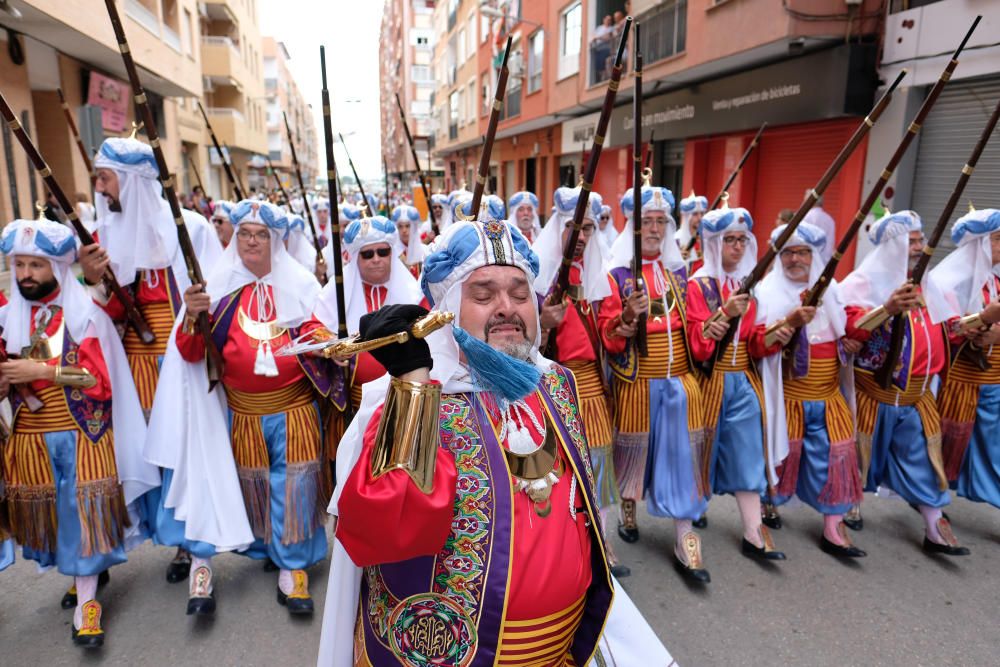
(807, 68)
(284, 96)
(406, 70)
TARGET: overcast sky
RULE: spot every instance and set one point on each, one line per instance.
(350, 31)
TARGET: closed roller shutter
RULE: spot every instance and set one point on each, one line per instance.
(793, 159)
(946, 140)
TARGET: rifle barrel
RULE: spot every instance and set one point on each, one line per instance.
(320, 262)
(75, 131)
(361, 188)
(416, 164)
(637, 279)
(491, 133)
(223, 156)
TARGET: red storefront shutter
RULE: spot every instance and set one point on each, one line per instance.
(791, 160)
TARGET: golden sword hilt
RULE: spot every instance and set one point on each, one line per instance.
(421, 328)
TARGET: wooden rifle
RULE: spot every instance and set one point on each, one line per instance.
(590, 171)
(320, 262)
(277, 180)
(87, 161)
(194, 170)
(649, 146)
(724, 192)
(212, 355)
(764, 263)
(883, 374)
(637, 279)
(236, 174)
(132, 314)
(416, 164)
(361, 188)
(491, 133)
(338, 261)
(223, 156)
(814, 295)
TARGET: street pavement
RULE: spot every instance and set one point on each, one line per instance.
(896, 607)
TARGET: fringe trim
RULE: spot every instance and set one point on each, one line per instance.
(629, 453)
(33, 518)
(255, 483)
(304, 511)
(701, 454)
(937, 459)
(864, 447)
(788, 473)
(843, 480)
(955, 439)
(103, 517)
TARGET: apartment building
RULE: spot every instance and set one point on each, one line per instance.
(714, 70)
(406, 69)
(283, 95)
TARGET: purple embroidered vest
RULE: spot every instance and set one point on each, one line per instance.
(463, 589)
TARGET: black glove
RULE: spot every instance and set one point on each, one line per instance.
(398, 358)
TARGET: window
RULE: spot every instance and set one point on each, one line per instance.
(420, 73)
(484, 28)
(462, 118)
(471, 34)
(453, 115)
(536, 56)
(188, 29)
(470, 101)
(485, 99)
(664, 32)
(460, 46)
(570, 35)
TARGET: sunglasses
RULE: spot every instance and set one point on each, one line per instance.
(368, 254)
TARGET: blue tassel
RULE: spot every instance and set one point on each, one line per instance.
(496, 372)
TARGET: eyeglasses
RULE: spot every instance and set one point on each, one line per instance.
(382, 252)
(797, 253)
(259, 237)
(735, 240)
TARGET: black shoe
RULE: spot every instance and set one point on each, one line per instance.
(854, 523)
(200, 606)
(87, 641)
(296, 606)
(620, 571)
(766, 552)
(69, 598)
(840, 550)
(700, 522)
(178, 571)
(630, 535)
(698, 576)
(946, 549)
(770, 517)
(269, 565)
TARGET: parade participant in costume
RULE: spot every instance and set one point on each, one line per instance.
(732, 394)
(298, 241)
(373, 277)
(72, 472)
(810, 429)
(692, 208)
(243, 464)
(321, 209)
(967, 284)
(220, 219)
(818, 217)
(571, 335)
(660, 441)
(899, 429)
(492, 539)
(407, 220)
(491, 207)
(346, 214)
(523, 210)
(606, 226)
(442, 215)
(138, 239)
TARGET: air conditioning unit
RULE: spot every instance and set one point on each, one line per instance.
(207, 85)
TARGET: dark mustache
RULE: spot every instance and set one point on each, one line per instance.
(512, 319)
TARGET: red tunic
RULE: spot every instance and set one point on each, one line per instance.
(150, 288)
(551, 560)
(611, 309)
(89, 356)
(923, 333)
(702, 348)
(572, 340)
(240, 352)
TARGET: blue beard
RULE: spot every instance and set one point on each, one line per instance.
(495, 371)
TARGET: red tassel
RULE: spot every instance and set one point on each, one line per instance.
(955, 437)
(843, 479)
(788, 471)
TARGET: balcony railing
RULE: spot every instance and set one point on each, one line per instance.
(226, 111)
(511, 104)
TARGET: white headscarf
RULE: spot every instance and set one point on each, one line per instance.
(409, 214)
(609, 233)
(818, 217)
(300, 243)
(525, 198)
(884, 269)
(401, 287)
(714, 226)
(445, 220)
(654, 198)
(689, 205)
(548, 246)
(142, 235)
(955, 286)
(188, 427)
(56, 243)
(776, 297)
